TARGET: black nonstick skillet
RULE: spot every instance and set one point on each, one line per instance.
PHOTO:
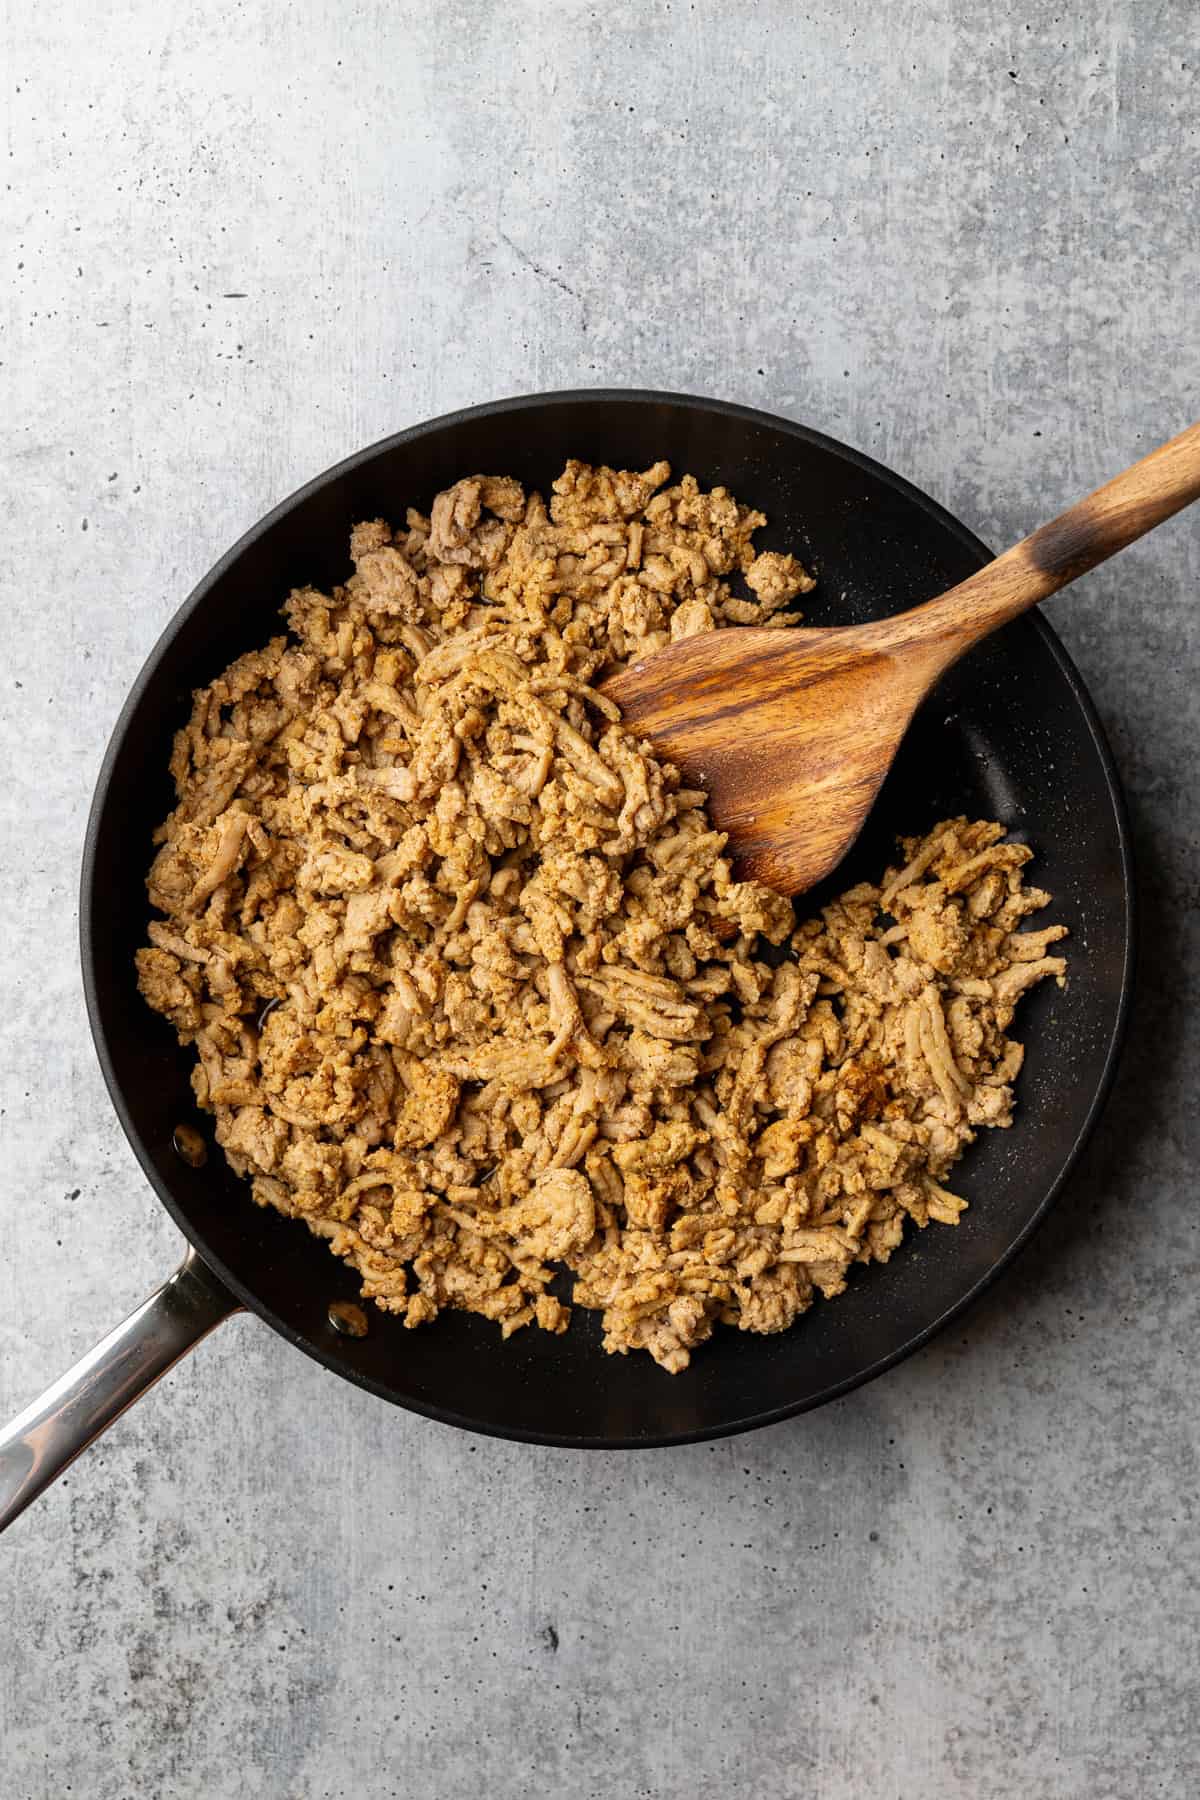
(1011, 734)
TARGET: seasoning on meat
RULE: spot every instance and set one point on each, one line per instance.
(472, 988)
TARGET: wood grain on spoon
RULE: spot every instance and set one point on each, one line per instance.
(791, 732)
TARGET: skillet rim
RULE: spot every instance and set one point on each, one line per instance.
(102, 796)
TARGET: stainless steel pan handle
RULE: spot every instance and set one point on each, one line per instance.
(49, 1434)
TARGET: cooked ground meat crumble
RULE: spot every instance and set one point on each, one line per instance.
(472, 988)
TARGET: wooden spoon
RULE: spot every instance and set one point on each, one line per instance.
(791, 732)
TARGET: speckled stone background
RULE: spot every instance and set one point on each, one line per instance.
(239, 242)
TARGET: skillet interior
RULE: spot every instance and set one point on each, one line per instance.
(1010, 734)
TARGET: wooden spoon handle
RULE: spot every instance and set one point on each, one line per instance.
(1086, 534)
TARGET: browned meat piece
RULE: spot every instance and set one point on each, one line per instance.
(458, 531)
(776, 580)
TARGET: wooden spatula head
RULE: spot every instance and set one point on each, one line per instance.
(789, 732)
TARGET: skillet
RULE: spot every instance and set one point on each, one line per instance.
(1010, 734)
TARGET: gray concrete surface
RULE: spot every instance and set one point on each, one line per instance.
(241, 241)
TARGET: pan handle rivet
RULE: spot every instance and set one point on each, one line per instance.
(348, 1318)
(190, 1146)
